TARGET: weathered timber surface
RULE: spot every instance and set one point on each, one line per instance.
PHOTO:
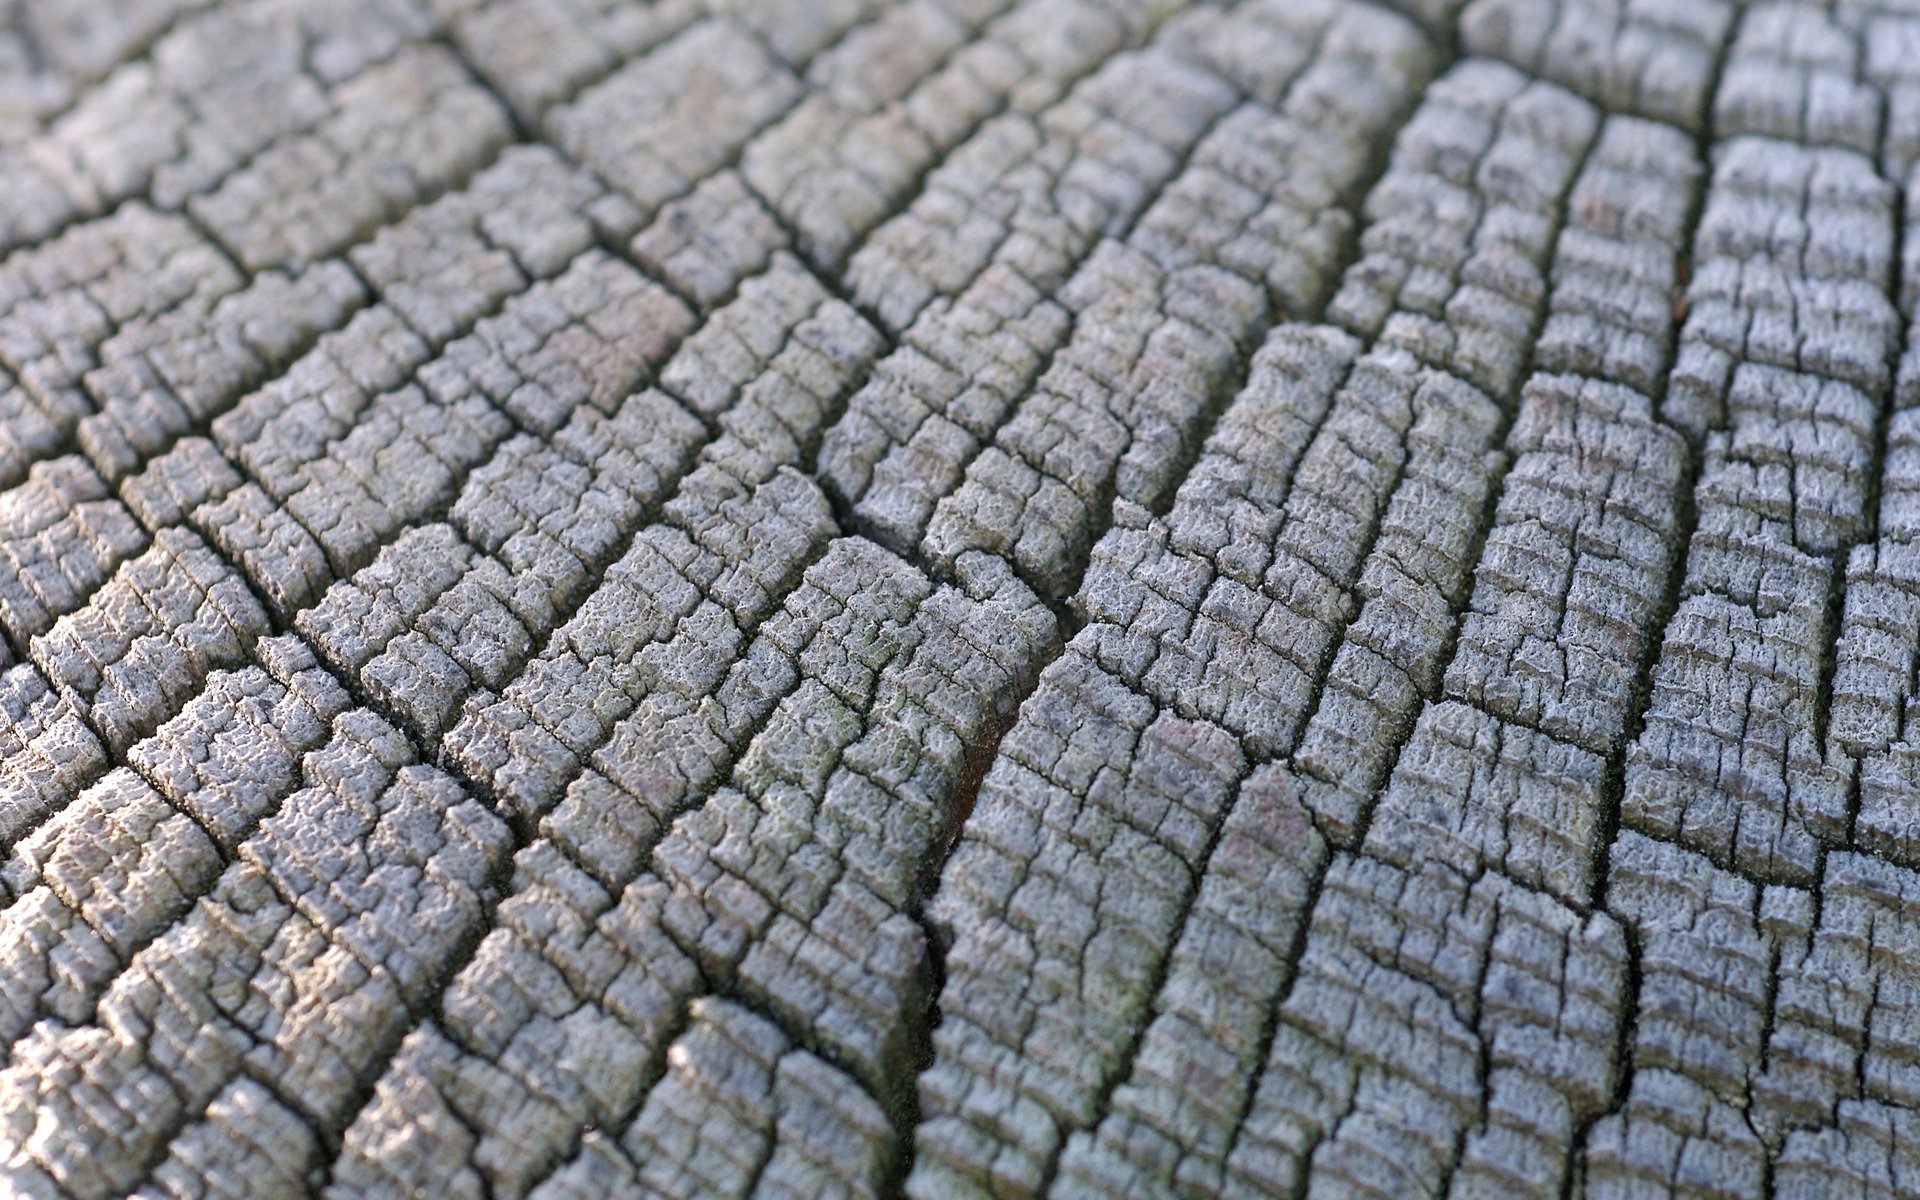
(959, 598)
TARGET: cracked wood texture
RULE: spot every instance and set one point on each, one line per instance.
(959, 598)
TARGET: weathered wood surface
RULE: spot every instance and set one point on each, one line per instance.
(959, 598)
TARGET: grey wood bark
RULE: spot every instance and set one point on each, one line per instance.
(959, 598)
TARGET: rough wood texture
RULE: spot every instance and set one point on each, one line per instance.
(959, 598)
